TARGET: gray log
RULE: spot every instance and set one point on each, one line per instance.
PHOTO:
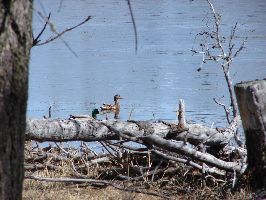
(94, 130)
(251, 98)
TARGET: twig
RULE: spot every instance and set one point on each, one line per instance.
(134, 25)
(155, 171)
(61, 33)
(227, 111)
(179, 147)
(36, 40)
(130, 114)
(217, 25)
(60, 6)
(106, 148)
(188, 162)
(58, 35)
(230, 45)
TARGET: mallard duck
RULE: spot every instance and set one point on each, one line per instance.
(94, 114)
(112, 107)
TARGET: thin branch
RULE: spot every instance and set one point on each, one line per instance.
(212, 170)
(242, 46)
(232, 35)
(60, 6)
(230, 89)
(180, 147)
(217, 25)
(36, 40)
(58, 35)
(227, 111)
(134, 25)
(61, 33)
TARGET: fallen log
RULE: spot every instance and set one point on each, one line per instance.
(88, 130)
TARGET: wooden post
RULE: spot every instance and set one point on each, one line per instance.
(251, 98)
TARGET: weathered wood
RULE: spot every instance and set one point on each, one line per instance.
(94, 130)
(185, 149)
(15, 45)
(181, 114)
(251, 97)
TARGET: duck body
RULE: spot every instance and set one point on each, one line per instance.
(93, 116)
(112, 107)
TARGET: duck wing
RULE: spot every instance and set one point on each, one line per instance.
(106, 106)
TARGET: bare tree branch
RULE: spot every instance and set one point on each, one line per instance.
(36, 40)
(227, 111)
(134, 25)
(180, 147)
(217, 18)
(63, 32)
(58, 35)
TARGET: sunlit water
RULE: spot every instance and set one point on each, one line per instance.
(152, 80)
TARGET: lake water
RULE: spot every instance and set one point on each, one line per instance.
(152, 80)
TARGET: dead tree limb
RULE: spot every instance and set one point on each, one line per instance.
(188, 162)
(180, 147)
(92, 130)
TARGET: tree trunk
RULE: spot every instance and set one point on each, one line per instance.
(251, 97)
(15, 44)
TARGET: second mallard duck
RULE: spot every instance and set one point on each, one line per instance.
(112, 107)
(94, 114)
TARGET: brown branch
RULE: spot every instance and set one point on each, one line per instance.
(36, 40)
(134, 25)
(63, 32)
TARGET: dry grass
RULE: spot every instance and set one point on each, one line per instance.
(62, 191)
(74, 192)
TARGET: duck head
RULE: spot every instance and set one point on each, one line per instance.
(94, 113)
(116, 97)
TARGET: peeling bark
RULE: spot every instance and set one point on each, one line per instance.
(94, 130)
